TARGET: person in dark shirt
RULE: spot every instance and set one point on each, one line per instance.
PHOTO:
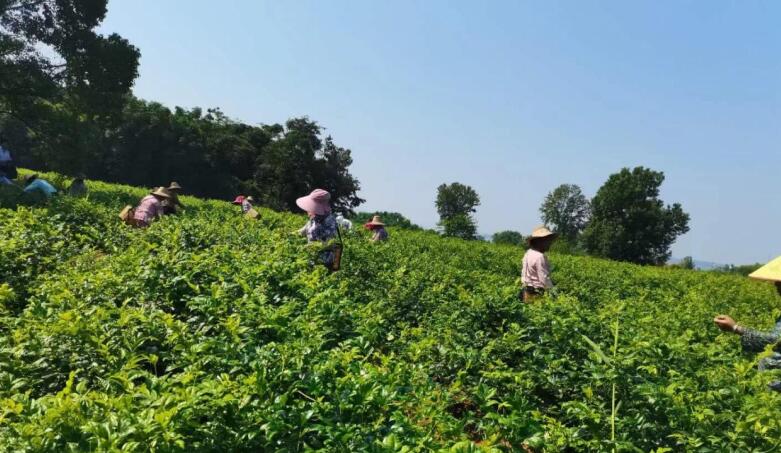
(753, 340)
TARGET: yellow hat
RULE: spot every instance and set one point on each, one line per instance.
(769, 272)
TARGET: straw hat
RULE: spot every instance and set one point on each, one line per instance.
(161, 192)
(250, 199)
(239, 199)
(317, 202)
(542, 232)
(174, 186)
(376, 221)
(769, 272)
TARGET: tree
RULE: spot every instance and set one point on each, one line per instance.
(686, 263)
(61, 83)
(78, 66)
(459, 226)
(508, 237)
(332, 171)
(455, 204)
(567, 210)
(630, 223)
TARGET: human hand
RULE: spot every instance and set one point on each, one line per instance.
(725, 323)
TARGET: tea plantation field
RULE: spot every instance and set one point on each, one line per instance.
(211, 332)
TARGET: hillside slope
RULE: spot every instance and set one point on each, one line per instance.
(211, 332)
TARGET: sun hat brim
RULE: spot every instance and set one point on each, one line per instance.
(159, 192)
(544, 235)
(313, 206)
(770, 272)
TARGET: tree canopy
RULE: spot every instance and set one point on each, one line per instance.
(455, 204)
(567, 210)
(208, 153)
(630, 223)
(50, 52)
(508, 237)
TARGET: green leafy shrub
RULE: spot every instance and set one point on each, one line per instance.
(210, 332)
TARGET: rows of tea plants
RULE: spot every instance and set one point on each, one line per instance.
(212, 332)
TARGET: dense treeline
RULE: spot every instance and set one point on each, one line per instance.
(208, 153)
(70, 110)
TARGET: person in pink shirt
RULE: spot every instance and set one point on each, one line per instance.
(535, 273)
(151, 207)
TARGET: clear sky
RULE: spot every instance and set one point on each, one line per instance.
(512, 98)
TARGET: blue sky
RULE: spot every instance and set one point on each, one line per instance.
(512, 98)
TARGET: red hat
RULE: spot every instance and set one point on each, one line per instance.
(238, 199)
(376, 222)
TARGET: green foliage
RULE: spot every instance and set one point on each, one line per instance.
(209, 154)
(630, 223)
(88, 71)
(508, 237)
(209, 332)
(567, 210)
(455, 204)
(69, 109)
(686, 263)
(391, 219)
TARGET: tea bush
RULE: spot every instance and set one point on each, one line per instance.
(211, 332)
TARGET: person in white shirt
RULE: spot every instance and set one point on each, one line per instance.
(535, 273)
(344, 223)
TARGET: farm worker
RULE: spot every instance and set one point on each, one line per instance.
(7, 166)
(4, 181)
(321, 226)
(754, 340)
(247, 204)
(78, 188)
(535, 272)
(344, 223)
(151, 207)
(33, 183)
(377, 228)
(171, 205)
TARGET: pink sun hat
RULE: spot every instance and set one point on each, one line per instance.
(238, 199)
(317, 202)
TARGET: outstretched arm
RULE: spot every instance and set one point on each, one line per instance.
(752, 340)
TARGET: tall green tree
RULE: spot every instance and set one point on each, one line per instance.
(50, 52)
(61, 83)
(630, 223)
(455, 204)
(567, 210)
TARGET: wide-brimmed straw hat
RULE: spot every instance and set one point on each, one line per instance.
(239, 199)
(317, 202)
(174, 186)
(541, 232)
(250, 199)
(770, 272)
(161, 192)
(376, 221)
